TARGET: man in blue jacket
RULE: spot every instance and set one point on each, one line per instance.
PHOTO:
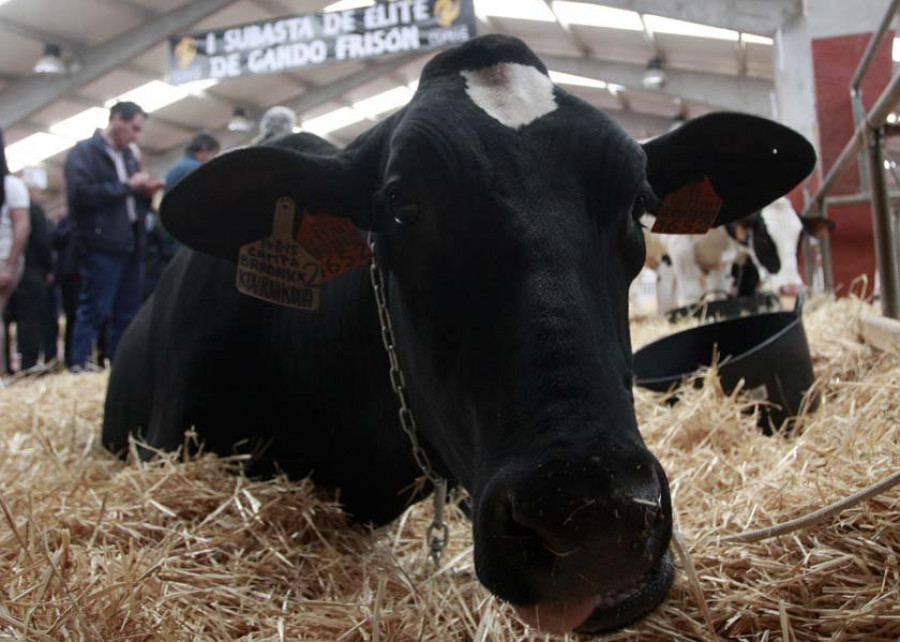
(108, 196)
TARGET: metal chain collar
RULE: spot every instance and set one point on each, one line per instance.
(438, 535)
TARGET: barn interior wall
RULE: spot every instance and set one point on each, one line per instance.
(814, 99)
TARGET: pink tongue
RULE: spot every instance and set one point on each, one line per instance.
(557, 617)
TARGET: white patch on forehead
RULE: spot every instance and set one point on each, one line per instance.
(511, 93)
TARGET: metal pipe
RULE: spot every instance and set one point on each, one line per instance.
(874, 42)
(825, 249)
(885, 247)
(862, 197)
(885, 103)
(846, 156)
(856, 99)
(806, 249)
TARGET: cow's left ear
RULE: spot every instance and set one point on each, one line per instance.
(749, 161)
(230, 200)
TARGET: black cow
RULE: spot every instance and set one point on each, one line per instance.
(504, 213)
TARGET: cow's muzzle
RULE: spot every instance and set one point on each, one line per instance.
(577, 543)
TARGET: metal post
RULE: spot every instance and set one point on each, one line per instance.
(885, 245)
(859, 115)
(825, 249)
(808, 268)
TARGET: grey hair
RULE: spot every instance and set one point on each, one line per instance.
(276, 121)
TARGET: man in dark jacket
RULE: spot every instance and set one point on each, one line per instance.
(108, 199)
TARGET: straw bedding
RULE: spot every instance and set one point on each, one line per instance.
(95, 549)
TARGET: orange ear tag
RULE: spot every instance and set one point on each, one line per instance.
(335, 243)
(277, 269)
(691, 209)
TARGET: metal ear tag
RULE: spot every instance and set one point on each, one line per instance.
(277, 269)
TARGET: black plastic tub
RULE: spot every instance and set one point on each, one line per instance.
(728, 308)
(768, 351)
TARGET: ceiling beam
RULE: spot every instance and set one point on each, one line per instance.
(762, 17)
(29, 95)
(640, 125)
(749, 95)
(146, 12)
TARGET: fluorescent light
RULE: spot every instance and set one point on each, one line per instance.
(615, 89)
(33, 149)
(520, 9)
(757, 40)
(345, 5)
(594, 15)
(82, 124)
(658, 24)
(896, 51)
(196, 87)
(579, 81)
(332, 121)
(385, 101)
(151, 96)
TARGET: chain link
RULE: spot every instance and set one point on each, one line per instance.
(438, 534)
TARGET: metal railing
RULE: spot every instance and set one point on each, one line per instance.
(869, 133)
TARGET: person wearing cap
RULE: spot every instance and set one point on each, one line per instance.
(161, 247)
(202, 147)
(108, 198)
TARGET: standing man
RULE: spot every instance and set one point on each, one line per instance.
(108, 199)
(30, 297)
(14, 230)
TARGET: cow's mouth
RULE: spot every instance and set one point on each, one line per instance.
(604, 612)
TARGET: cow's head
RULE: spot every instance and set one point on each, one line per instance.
(505, 216)
(774, 234)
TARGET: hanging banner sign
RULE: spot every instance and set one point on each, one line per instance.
(281, 44)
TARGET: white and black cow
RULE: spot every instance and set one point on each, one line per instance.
(758, 251)
(504, 213)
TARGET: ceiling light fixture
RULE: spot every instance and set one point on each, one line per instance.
(346, 5)
(659, 24)
(561, 78)
(654, 76)
(240, 122)
(51, 62)
(595, 15)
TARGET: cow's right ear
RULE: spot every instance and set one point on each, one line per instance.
(230, 200)
(748, 161)
(817, 226)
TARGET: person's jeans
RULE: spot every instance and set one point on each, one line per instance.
(110, 292)
(30, 300)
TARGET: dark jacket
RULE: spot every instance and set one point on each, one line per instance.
(38, 251)
(66, 254)
(97, 199)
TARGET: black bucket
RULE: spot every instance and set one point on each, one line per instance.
(768, 351)
(728, 308)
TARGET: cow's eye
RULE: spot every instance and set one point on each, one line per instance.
(646, 202)
(403, 207)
